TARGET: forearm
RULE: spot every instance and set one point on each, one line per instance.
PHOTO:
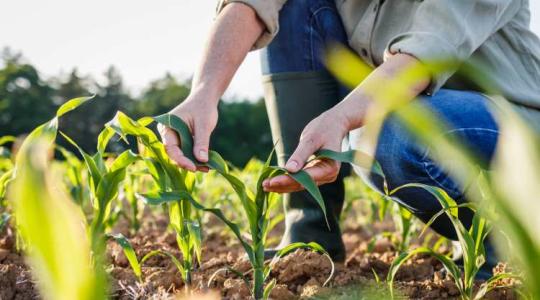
(233, 34)
(400, 76)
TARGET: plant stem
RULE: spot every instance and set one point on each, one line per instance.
(258, 282)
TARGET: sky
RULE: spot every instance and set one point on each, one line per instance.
(143, 39)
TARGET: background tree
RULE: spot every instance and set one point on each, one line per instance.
(26, 101)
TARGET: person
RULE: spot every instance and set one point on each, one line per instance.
(309, 110)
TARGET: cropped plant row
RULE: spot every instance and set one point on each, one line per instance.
(107, 177)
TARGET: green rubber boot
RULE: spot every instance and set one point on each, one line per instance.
(292, 101)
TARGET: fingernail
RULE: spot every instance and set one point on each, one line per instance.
(291, 165)
(265, 183)
(203, 155)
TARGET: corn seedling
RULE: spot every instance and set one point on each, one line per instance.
(104, 182)
(512, 184)
(74, 176)
(49, 222)
(255, 205)
(471, 241)
(168, 178)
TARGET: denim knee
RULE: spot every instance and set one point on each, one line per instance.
(405, 160)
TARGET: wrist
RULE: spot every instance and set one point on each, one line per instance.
(352, 110)
(204, 93)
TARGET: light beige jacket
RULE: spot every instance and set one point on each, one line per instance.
(494, 34)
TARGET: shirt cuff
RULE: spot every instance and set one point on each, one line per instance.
(440, 56)
(267, 11)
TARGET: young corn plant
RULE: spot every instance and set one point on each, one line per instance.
(49, 223)
(513, 180)
(168, 178)
(256, 206)
(104, 182)
(131, 256)
(75, 169)
(471, 241)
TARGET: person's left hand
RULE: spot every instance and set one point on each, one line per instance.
(324, 132)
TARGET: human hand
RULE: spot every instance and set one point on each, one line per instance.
(324, 132)
(201, 117)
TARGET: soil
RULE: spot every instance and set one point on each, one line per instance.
(299, 275)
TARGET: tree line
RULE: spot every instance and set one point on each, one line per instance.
(27, 100)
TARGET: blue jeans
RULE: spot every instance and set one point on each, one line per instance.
(306, 26)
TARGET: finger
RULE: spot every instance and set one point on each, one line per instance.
(171, 141)
(282, 180)
(201, 142)
(203, 169)
(177, 156)
(305, 149)
(323, 171)
(168, 136)
(285, 189)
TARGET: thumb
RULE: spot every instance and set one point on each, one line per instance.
(304, 150)
(201, 142)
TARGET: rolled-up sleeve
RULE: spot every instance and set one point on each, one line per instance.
(267, 11)
(451, 31)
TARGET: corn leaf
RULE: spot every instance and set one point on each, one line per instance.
(4, 220)
(129, 252)
(447, 263)
(164, 253)
(299, 245)
(183, 131)
(50, 223)
(171, 197)
(268, 289)
(71, 105)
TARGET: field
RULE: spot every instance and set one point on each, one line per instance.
(130, 224)
(300, 274)
(134, 226)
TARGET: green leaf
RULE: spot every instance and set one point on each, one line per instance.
(444, 199)
(123, 160)
(71, 105)
(57, 248)
(268, 289)
(103, 139)
(7, 139)
(94, 171)
(195, 237)
(168, 197)
(303, 178)
(183, 131)
(447, 263)
(299, 245)
(165, 253)
(4, 220)
(130, 254)
(354, 157)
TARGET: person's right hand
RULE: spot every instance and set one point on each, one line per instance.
(201, 115)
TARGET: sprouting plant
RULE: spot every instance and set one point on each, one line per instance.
(255, 205)
(404, 220)
(49, 222)
(104, 182)
(471, 241)
(515, 171)
(131, 186)
(168, 178)
(131, 256)
(74, 176)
